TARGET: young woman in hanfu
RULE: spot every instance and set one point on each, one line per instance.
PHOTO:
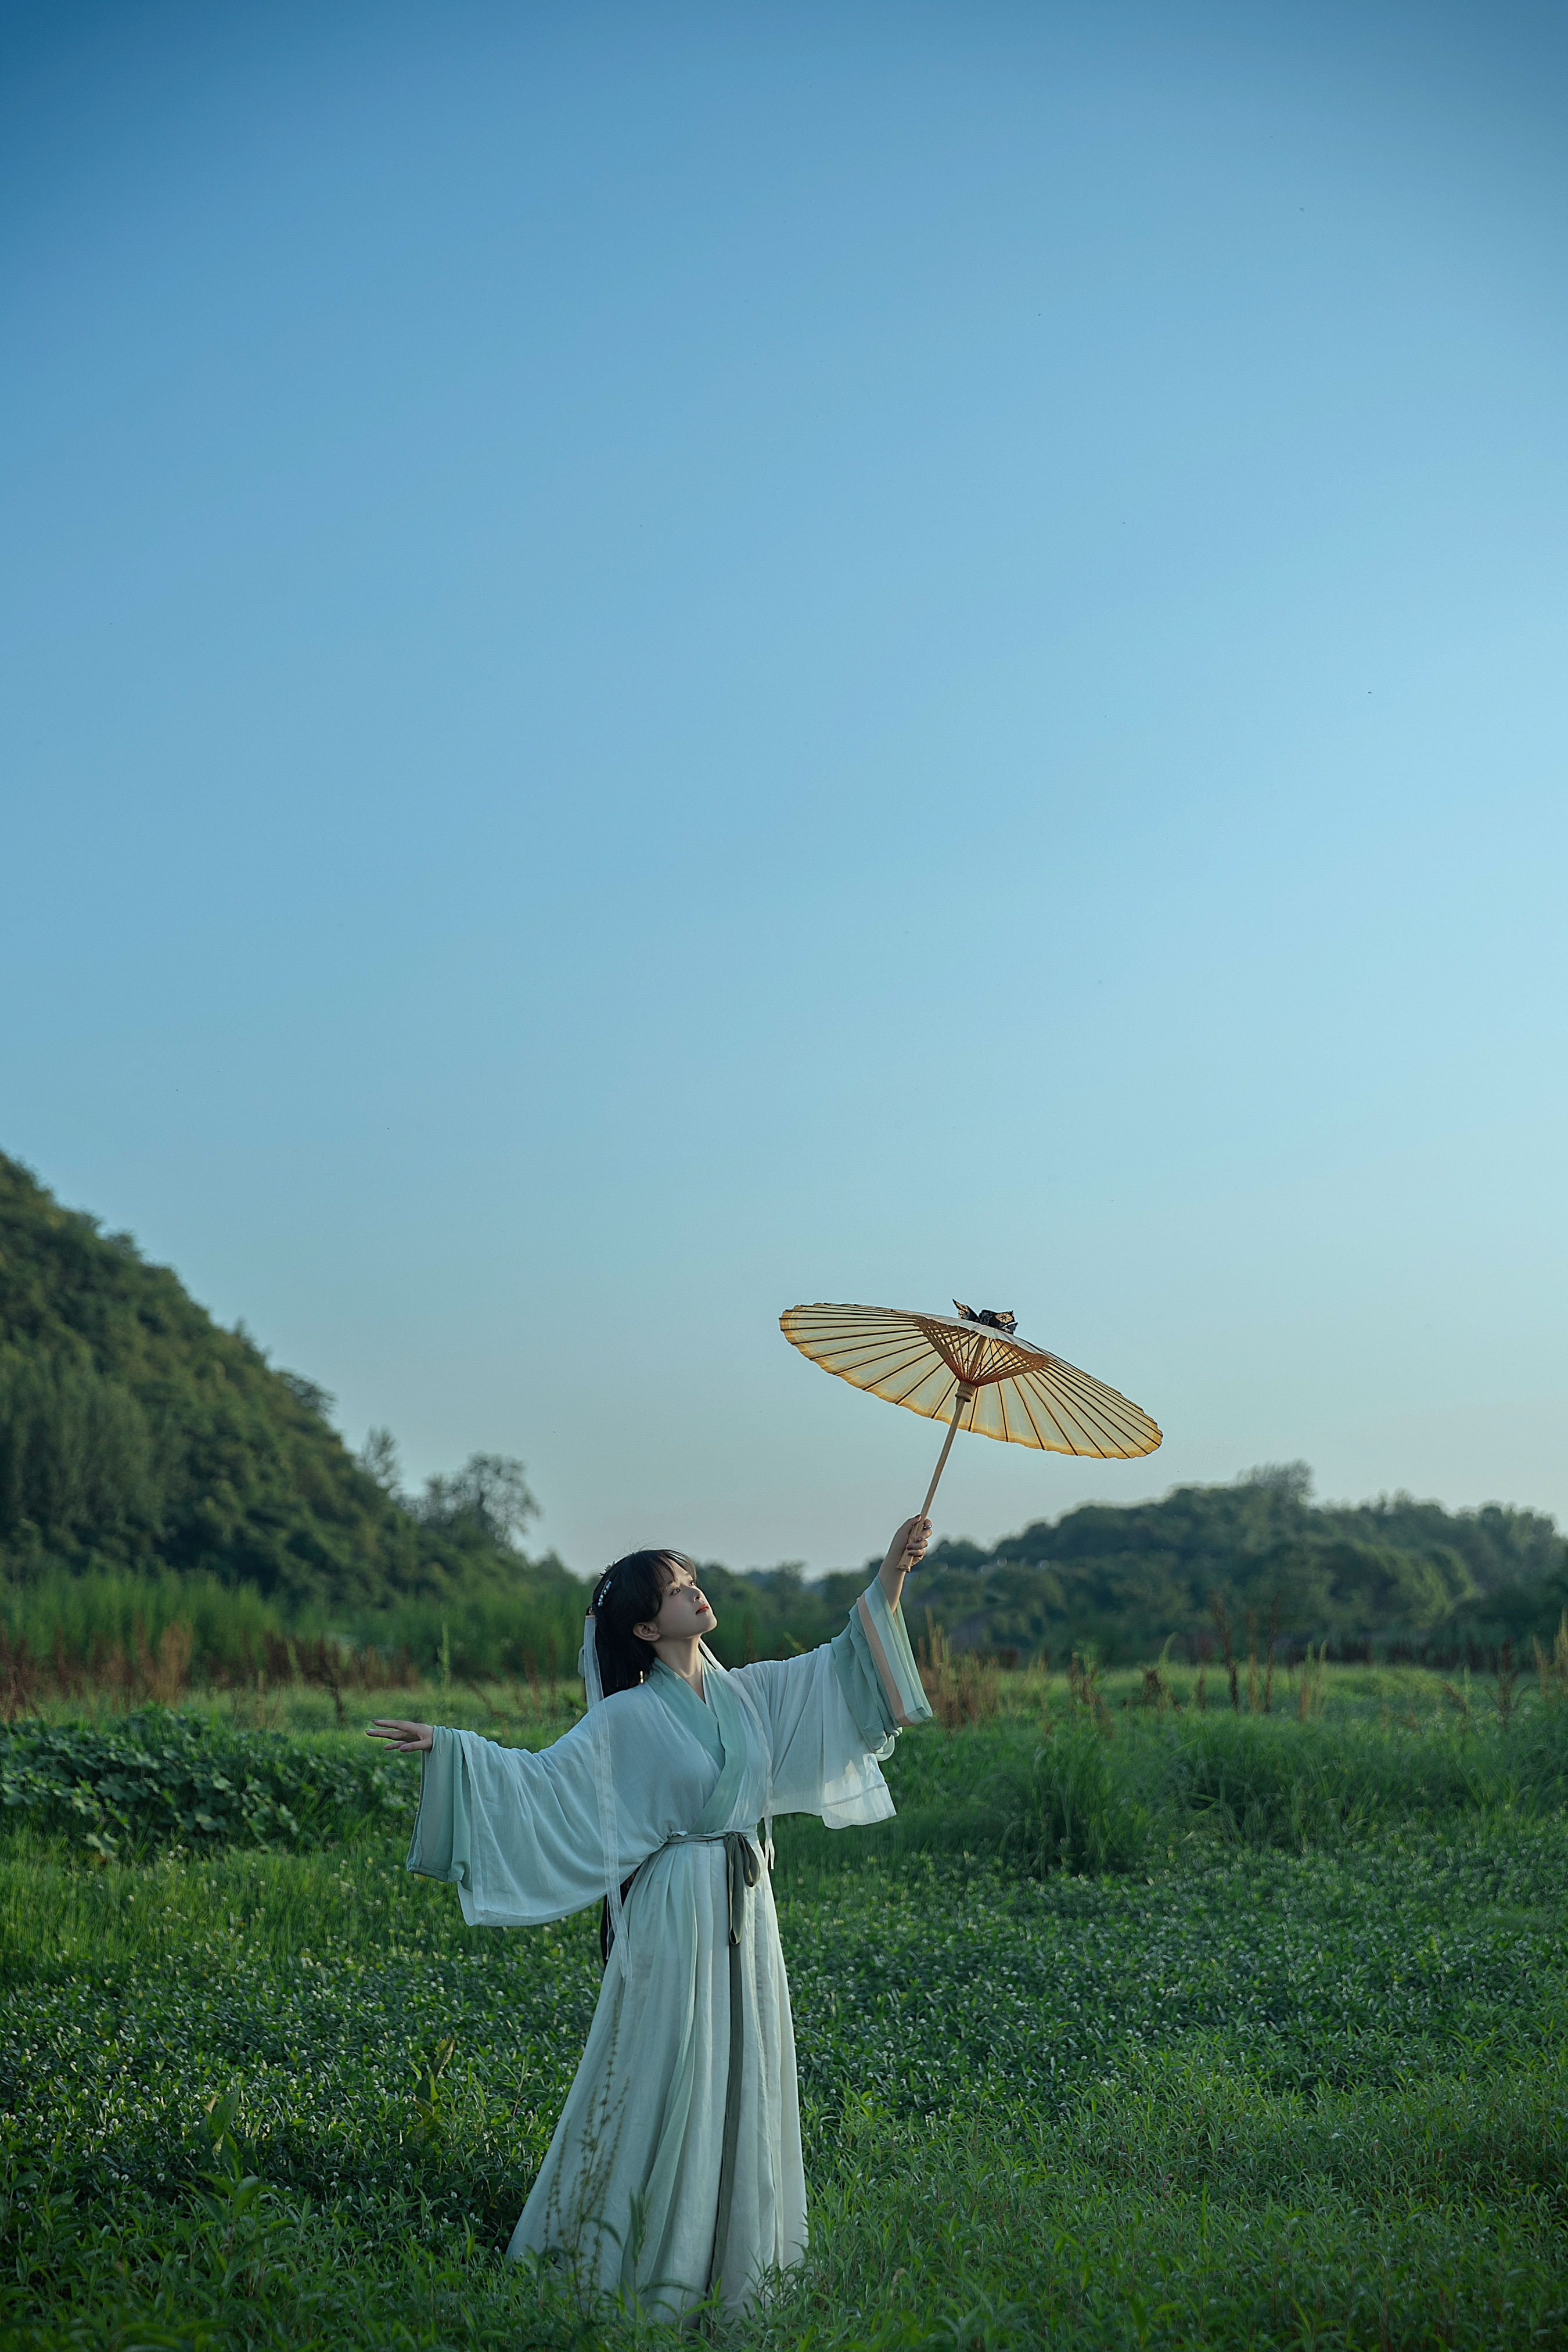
(676, 2166)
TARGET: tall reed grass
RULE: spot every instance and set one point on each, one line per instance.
(77, 1622)
(127, 1638)
(1072, 1809)
(1088, 1801)
(484, 1635)
(961, 1687)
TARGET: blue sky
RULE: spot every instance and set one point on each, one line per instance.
(660, 660)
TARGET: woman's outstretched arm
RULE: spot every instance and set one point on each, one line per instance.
(402, 1738)
(518, 1832)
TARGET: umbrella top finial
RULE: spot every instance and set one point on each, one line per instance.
(999, 1319)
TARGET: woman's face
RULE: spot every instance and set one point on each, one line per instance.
(683, 1614)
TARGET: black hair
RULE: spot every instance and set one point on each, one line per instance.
(630, 1593)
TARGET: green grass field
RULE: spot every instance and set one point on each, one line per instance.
(1159, 2028)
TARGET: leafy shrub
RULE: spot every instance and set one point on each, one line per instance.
(158, 1778)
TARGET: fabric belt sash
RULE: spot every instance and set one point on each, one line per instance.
(742, 1869)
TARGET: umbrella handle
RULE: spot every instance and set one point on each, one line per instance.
(966, 1396)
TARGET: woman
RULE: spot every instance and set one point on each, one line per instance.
(676, 2166)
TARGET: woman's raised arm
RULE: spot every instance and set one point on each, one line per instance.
(907, 1550)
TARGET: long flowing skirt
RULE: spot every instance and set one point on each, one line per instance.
(630, 2192)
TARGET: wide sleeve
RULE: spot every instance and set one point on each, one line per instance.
(876, 1667)
(832, 1713)
(520, 1834)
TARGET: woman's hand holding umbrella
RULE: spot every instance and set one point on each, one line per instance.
(907, 1550)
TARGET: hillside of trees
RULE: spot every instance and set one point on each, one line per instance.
(143, 1448)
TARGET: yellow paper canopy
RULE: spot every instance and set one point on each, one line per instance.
(974, 1374)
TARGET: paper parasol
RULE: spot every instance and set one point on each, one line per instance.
(997, 1384)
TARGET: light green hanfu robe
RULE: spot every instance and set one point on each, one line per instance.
(676, 2161)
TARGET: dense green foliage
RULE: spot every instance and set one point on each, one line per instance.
(1117, 1581)
(140, 1443)
(1292, 2075)
(157, 1779)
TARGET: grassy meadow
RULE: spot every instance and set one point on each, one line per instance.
(1146, 2023)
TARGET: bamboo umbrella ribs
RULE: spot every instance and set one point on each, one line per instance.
(972, 1370)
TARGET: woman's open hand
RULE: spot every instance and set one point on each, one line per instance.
(402, 1738)
(907, 1550)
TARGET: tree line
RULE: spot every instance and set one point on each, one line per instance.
(1117, 1581)
(155, 1468)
